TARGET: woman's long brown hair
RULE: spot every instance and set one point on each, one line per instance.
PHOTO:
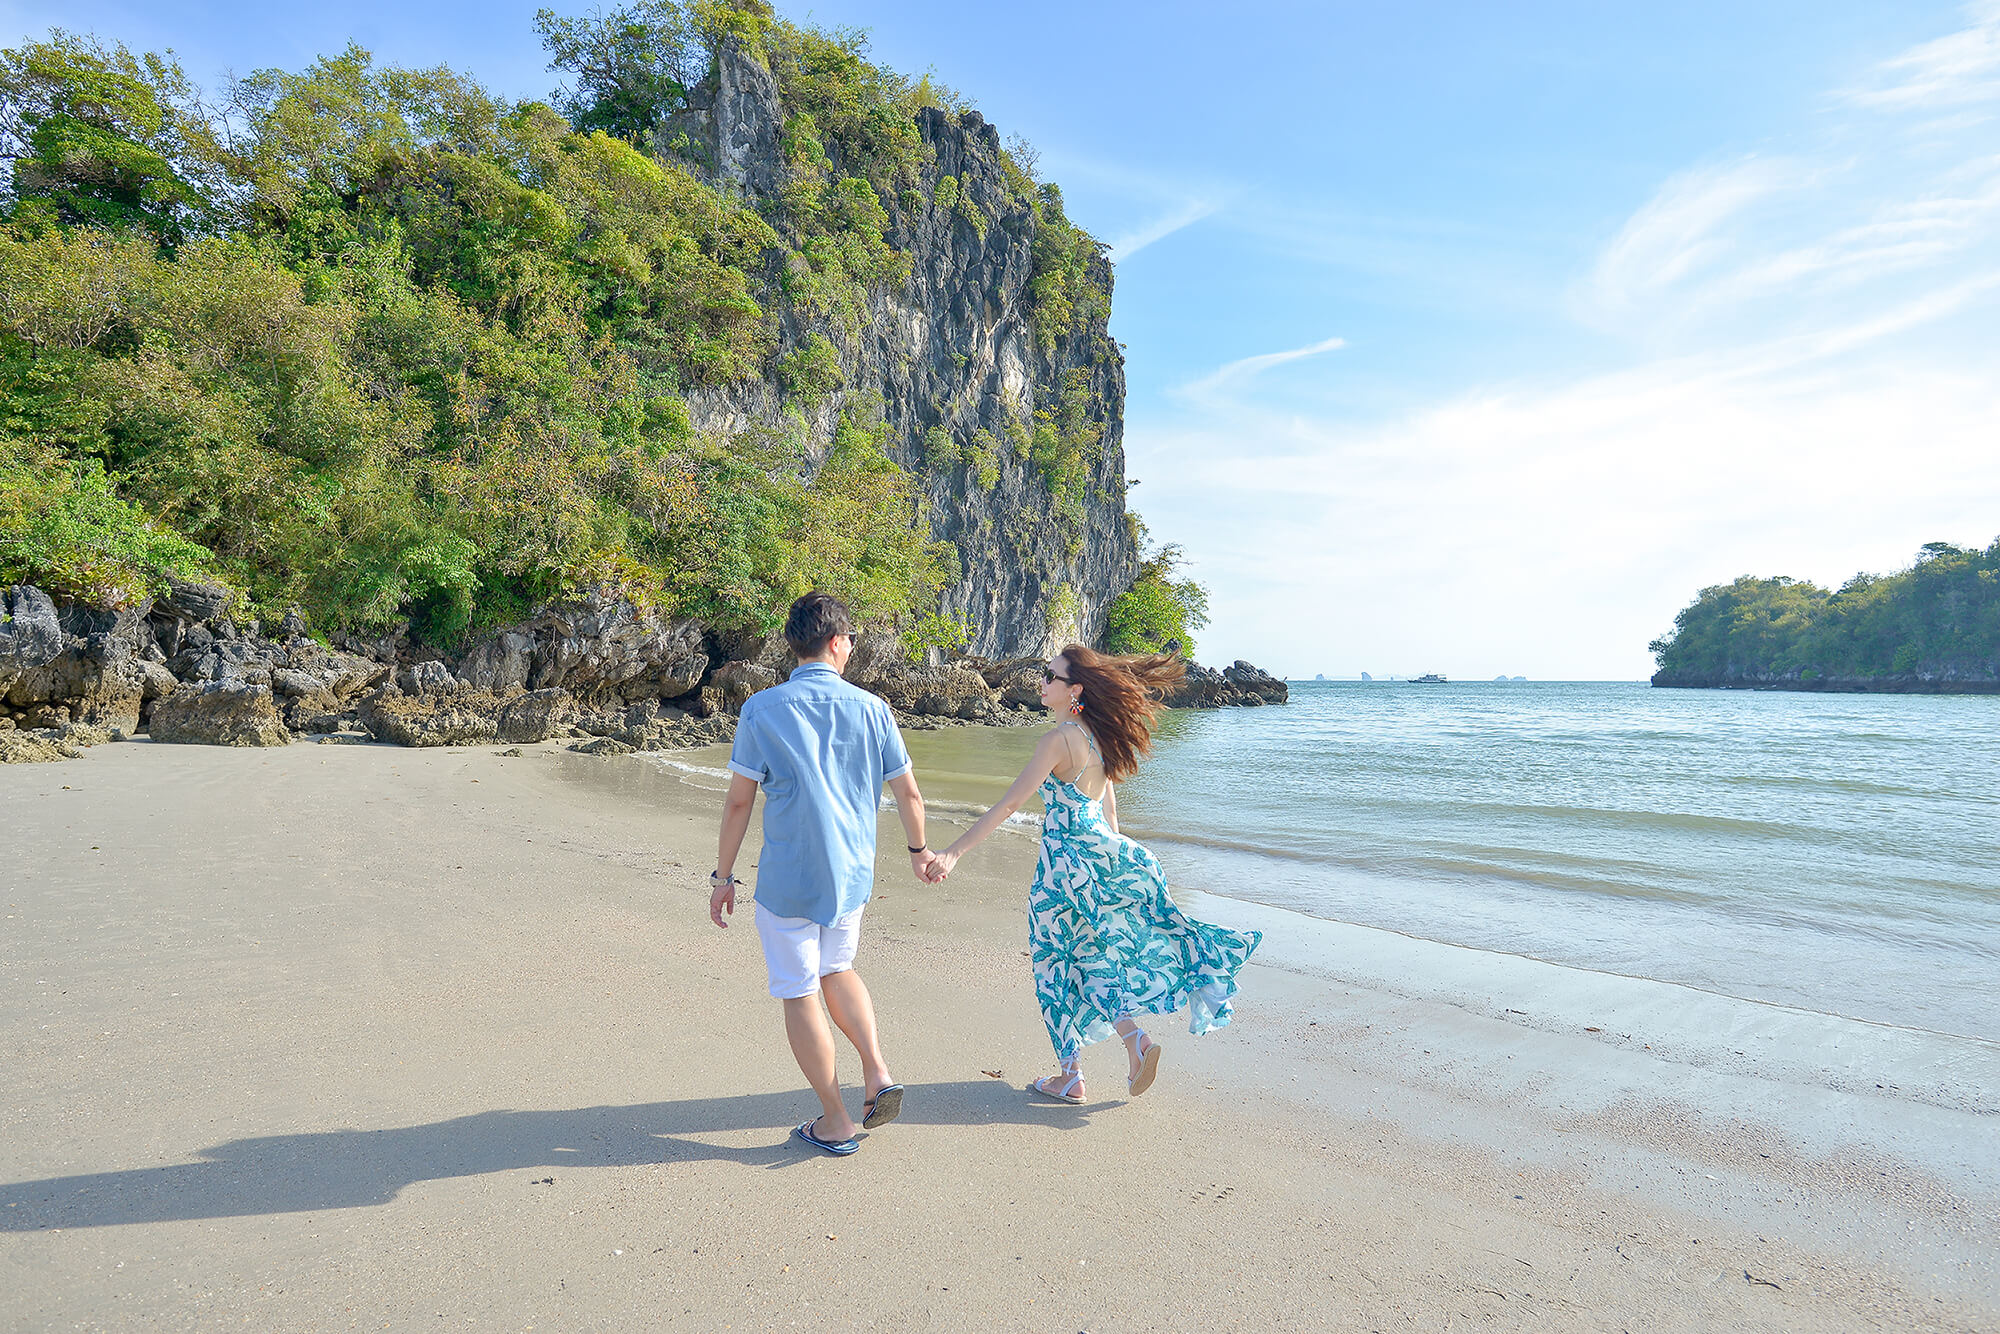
(1121, 697)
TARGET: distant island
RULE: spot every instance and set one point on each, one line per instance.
(1933, 628)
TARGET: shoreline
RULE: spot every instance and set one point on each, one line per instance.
(269, 1011)
(1838, 685)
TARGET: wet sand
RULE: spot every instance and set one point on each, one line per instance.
(358, 1037)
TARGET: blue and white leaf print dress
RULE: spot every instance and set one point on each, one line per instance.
(1105, 939)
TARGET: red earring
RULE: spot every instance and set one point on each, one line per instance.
(1076, 707)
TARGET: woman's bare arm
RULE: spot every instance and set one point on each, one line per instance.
(1047, 751)
(1111, 804)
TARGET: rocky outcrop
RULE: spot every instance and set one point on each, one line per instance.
(1238, 685)
(456, 718)
(1017, 681)
(535, 716)
(597, 665)
(599, 647)
(220, 713)
(35, 748)
(953, 690)
(656, 726)
(97, 673)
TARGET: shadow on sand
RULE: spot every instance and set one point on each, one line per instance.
(343, 1169)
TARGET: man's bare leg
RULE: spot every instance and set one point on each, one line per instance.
(812, 1048)
(847, 1000)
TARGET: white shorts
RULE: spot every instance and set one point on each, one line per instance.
(798, 951)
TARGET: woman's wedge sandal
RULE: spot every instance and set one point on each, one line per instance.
(1064, 1087)
(1149, 1065)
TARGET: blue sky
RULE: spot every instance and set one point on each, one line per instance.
(1462, 337)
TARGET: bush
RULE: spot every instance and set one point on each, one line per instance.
(64, 528)
(933, 630)
(810, 373)
(939, 451)
(982, 455)
(1157, 610)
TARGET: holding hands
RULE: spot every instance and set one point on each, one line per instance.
(940, 867)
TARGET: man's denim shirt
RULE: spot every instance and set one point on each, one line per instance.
(822, 749)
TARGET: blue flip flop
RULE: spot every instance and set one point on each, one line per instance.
(884, 1107)
(839, 1148)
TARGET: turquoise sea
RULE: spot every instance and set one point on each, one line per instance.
(1834, 853)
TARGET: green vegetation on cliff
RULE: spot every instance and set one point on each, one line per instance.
(375, 342)
(1158, 609)
(1938, 620)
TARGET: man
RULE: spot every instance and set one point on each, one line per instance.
(821, 749)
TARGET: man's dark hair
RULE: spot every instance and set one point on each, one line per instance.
(815, 619)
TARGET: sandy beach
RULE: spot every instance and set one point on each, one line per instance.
(336, 1037)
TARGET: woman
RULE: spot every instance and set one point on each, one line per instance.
(1107, 942)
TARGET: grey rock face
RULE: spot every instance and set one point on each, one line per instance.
(738, 681)
(426, 678)
(953, 351)
(96, 674)
(155, 682)
(500, 662)
(290, 681)
(1017, 680)
(31, 633)
(1255, 682)
(219, 713)
(194, 602)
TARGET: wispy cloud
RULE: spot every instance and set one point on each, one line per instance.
(1680, 232)
(1128, 244)
(1961, 67)
(1235, 373)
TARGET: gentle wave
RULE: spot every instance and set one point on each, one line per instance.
(681, 766)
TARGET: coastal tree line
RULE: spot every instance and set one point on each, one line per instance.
(1938, 619)
(377, 343)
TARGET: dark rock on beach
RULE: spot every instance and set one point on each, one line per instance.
(1240, 685)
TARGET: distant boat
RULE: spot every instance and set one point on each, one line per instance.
(1427, 679)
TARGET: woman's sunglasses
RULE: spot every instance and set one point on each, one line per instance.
(1051, 674)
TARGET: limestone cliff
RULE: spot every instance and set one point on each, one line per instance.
(961, 372)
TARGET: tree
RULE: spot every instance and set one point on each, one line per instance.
(629, 69)
(1157, 610)
(94, 135)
